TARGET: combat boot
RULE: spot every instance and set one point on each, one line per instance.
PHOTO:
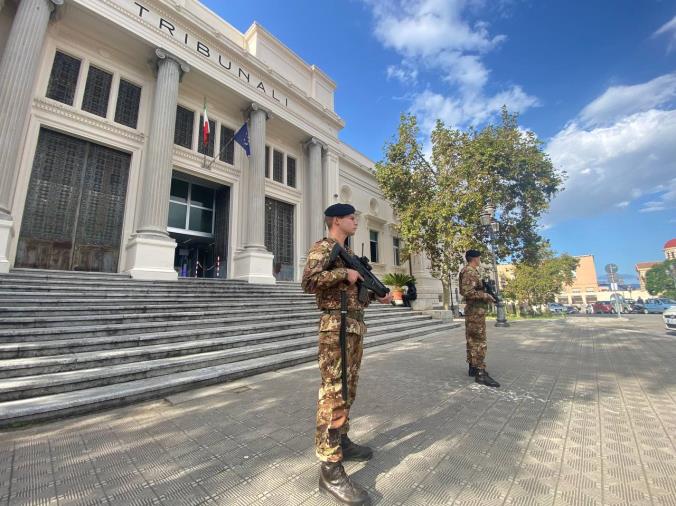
(472, 371)
(353, 451)
(483, 378)
(334, 481)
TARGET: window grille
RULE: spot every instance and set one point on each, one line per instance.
(128, 103)
(184, 127)
(397, 250)
(227, 155)
(373, 235)
(267, 162)
(63, 79)
(278, 166)
(291, 171)
(97, 91)
(279, 235)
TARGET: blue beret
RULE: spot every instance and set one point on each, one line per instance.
(339, 210)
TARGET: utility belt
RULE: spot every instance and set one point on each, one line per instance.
(355, 314)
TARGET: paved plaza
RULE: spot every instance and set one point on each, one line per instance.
(586, 415)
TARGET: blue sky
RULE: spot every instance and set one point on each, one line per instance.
(595, 80)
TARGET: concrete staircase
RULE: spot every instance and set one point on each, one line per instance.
(73, 343)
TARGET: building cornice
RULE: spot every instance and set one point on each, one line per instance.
(83, 118)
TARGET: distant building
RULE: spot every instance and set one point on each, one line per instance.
(585, 284)
(670, 249)
(641, 269)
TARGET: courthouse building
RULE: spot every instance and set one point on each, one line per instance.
(103, 166)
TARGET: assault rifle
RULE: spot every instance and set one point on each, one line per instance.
(489, 288)
(370, 282)
(363, 267)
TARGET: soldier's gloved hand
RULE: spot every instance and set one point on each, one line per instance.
(353, 276)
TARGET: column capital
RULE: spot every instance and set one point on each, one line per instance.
(312, 141)
(257, 107)
(162, 56)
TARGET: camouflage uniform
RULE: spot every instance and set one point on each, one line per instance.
(327, 282)
(476, 304)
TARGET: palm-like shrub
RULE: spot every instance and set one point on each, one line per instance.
(397, 279)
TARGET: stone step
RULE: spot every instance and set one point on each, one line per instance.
(174, 340)
(91, 331)
(177, 288)
(121, 317)
(51, 383)
(91, 399)
(116, 307)
(68, 274)
(64, 299)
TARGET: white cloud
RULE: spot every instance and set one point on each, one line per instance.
(403, 73)
(437, 36)
(609, 166)
(620, 101)
(669, 29)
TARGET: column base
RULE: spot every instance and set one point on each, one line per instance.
(5, 234)
(254, 266)
(428, 289)
(151, 258)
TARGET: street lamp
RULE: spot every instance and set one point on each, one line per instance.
(493, 228)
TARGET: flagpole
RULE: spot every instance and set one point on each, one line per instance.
(232, 138)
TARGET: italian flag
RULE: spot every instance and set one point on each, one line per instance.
(205, 125)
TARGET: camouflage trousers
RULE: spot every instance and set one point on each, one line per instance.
(330, 402)
(475, 333)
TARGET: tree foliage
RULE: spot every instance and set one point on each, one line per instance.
(539, 282)
(438, 200)
(660, 281)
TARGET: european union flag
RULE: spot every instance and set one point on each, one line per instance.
(242, 138)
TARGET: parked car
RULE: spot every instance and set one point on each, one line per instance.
(657, 306)
(669, 316)
(572, 310)
(604, 307)
(555, 307)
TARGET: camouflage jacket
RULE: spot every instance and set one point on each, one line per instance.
(326, 281)
(472, 288)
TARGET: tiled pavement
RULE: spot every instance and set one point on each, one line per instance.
(586, 415)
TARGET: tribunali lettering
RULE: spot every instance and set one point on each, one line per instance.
(166, 26)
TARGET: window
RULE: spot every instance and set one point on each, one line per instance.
(227, 153)
(374, 245)
(209, 148)
(184, 125)
(277, 166)
(291, 171)
(397, 249)
(178, 204)
(128, 102)
(97, 91)
(267, 162)
(191, 208)
(63, 79)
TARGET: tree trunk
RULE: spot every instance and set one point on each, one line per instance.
(447, 291)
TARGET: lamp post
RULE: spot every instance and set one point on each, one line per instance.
(493, 228)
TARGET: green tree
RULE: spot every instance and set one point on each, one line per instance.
(660, 281)
(539, 282)
(438, 201)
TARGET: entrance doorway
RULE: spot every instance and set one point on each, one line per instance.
(279, 237)
(74, 207)
(198, 221)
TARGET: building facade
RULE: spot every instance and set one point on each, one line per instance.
(103, 165)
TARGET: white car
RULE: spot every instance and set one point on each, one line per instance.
(669, 316)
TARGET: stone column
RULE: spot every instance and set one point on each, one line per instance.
(429, 288)
(331, 177)
(150, 253)
(315, 189)
(254, 262)
(18, 69)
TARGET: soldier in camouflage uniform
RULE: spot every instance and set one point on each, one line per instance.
(476, 304)
(332, 444)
